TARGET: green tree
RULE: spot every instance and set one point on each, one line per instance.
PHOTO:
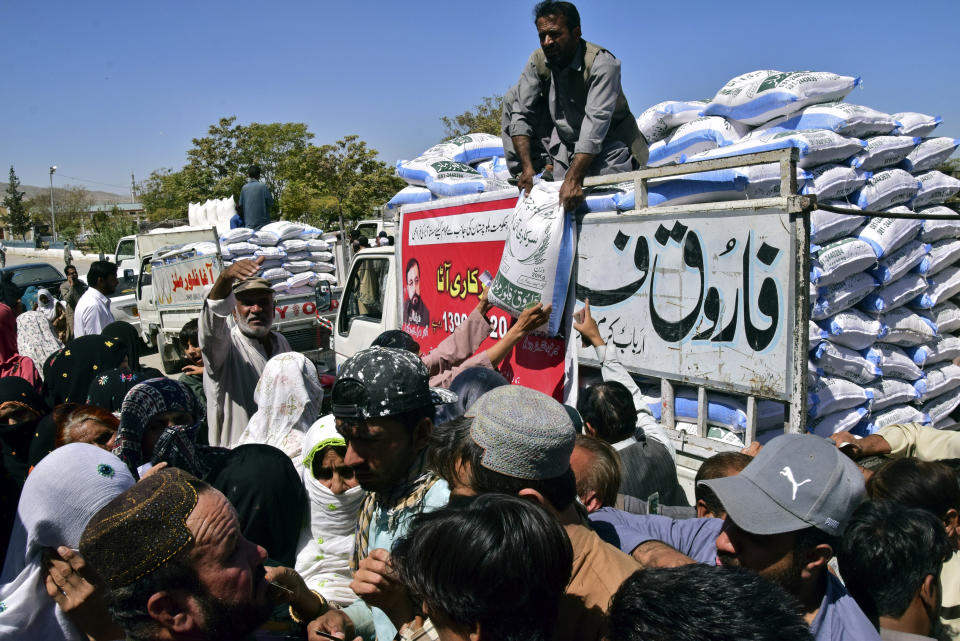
(348, 177)
(217, 165)
(110, 227)
(71, 208)
(17, 217)
(483, 118)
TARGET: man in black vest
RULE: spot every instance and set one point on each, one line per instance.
(593, 129)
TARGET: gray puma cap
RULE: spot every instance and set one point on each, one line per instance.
(795, 482)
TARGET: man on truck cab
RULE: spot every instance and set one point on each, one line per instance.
(594, 131)
(235, 357)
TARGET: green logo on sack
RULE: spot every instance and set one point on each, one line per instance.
(772, 82)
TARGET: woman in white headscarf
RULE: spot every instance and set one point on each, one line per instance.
(326, 543)
(36, 338)
(59, 498)
(288, 398)
(56, 313)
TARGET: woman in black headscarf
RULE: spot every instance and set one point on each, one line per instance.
(268, 494)
(21, 409)
(109, 389)
(67, 375)
(68, 372)
(128, 334)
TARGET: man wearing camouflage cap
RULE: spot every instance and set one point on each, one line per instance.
(235, 357)
(384, 408)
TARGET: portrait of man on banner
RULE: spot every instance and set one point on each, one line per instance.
(415, 312)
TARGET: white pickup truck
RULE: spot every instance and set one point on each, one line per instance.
(712, 296)
(171, 293)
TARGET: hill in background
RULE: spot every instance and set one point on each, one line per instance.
(99, 197)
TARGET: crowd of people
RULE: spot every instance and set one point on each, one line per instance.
(429, 498)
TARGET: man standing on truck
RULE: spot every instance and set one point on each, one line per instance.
(594, 130)
(235, 357)
(255, 201)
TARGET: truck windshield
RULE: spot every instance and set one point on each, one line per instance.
(125, 250)
(367, 230)
(364, 293)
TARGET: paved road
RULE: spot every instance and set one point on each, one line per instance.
(150, 358)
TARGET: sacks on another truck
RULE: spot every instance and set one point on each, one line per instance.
(760, 96)
(537, 256)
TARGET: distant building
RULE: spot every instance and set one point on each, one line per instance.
(134, 210)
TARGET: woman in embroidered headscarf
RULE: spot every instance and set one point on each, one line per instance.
(288, 398)
(36, 338)
(108, 390)
(59, 498)
(326, 542)
(11, 362)
(159, 420)
(21, 409)
(56, 313)
(68, 372)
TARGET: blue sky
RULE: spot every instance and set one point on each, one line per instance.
(105, 88)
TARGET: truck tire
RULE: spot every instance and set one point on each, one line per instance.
(170, 358)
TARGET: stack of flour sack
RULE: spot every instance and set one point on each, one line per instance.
(296, 256)
(882, 341)
(461, 166)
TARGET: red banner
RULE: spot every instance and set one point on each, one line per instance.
(445, 254)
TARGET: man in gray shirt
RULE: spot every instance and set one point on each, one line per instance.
(255, 201)
(594, 131)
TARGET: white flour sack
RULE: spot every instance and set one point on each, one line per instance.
(892, 267)
(940, 287)
(930, 153)
(896, 294)
(842, 421)
(945, 316)
(833, 181)
(890, 391)
(885, 189)
(449, 178)
(854, 329)
(894, 415)
(842, 117)
(941, 406)
(935, 188)
(886, 235)
(905, 327)
(943, 253)
(695, 136)
(826, 225)
(834, 262)
(835, 298)
(846, 363)
(916, 124)
(760, 96)
(883, 151)
(814, 147)
(893, 362)
(537, 257)
(939, 229)
(832, 394)
(657, 121)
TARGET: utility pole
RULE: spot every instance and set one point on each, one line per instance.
(133, 188)
(53, 217)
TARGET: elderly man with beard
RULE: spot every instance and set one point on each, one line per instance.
(175, 566)
(235, 357)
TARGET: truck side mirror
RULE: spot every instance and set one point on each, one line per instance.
(323, 296)
(128, 275)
